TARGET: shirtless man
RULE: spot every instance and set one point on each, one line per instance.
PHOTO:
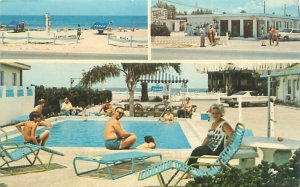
(29, 129)
(188, 105)
(168, 117)
(40, 106)
(114, 135)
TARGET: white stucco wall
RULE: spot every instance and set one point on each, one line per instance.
(13, 107)
(282, 89)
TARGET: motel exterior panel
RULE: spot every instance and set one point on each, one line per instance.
(240, 25)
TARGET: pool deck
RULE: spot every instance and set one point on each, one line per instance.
(62, 173)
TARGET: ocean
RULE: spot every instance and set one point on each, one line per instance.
(71, 22)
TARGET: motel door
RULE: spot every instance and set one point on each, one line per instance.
(235, 28)
(248, 28)
(224, 27)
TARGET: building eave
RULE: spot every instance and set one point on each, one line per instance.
(17, 65)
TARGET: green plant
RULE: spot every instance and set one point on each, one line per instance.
(78, 96)
(264, 175)
(159, 30)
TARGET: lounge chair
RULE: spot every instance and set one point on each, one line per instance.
(138, 110)
(12, 152)
(225, 156)
(114, 158)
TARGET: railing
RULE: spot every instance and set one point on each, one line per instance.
(29, 38)
(15, 91)
(125, 40)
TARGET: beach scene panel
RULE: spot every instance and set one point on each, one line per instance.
(41, 30)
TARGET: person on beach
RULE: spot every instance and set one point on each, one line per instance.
(149, 143)
(29, 129)
(114, 135)
(202, 36)
(67, 107)
(218, 136)
(39, 107)
(168, 117)
(78, 32)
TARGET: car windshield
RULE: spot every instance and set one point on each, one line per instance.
(286, 30)
(240, 93)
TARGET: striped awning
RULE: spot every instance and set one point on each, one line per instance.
(161, 77)
(205, 68)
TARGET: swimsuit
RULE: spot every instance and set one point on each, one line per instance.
(113, 144)
(38, 139)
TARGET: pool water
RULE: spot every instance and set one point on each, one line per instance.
(78, 133)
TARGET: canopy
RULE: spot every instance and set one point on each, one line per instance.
(162, 77)
(14, 24)
(100, 25)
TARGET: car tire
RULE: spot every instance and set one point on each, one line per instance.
(231, 105)
(286, 38)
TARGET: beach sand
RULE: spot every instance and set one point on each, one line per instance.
(90, 42)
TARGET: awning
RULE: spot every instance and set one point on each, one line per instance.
(161, 77)
(216, 67)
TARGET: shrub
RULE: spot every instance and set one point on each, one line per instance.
(78, 96)
(159, 30)
(264, 175)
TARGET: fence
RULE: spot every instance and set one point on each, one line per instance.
(29, 38)
(186, 40)
(129, 40)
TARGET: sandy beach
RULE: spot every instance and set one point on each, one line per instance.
(90, 42)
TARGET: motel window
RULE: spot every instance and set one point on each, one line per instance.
(289, 86)
(14, 79)
(1, 78)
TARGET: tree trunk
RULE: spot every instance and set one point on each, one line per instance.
(131, 103)
(145, 96)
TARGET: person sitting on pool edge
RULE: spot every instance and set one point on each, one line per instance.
(149, 143)
(29, 129)
(168, 117)
(114, 135)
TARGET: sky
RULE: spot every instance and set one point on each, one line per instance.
(235, 6)
(59, 75)
(74, 7)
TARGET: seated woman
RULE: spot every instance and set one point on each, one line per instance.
(168, 117)
(218, 136)
(149, 143)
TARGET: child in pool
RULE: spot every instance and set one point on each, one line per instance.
(148, 144)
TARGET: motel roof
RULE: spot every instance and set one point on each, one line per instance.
(17, 65)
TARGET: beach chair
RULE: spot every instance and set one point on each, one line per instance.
(115, 158)
(138, 110)
(12, 152)
(223, 159)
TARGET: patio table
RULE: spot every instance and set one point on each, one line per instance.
(273, 150)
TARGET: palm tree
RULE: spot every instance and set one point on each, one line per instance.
(131, 71)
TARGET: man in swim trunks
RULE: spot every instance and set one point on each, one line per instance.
(114, 135)
(29, 129)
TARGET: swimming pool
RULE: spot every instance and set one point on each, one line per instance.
(79, 133)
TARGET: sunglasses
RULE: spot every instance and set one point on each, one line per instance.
(121, 113)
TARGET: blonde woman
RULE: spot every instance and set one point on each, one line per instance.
(218, 136)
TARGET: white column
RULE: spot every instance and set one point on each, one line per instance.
(266, 27)
(254, 28)
(242, 27)
(3, 91)
(240, 109)
(229, 26)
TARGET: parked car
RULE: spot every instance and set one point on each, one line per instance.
(289, 34)
(248, 98)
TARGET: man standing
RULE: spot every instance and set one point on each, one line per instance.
(78, 32)
(114, 135)
(202, 36)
